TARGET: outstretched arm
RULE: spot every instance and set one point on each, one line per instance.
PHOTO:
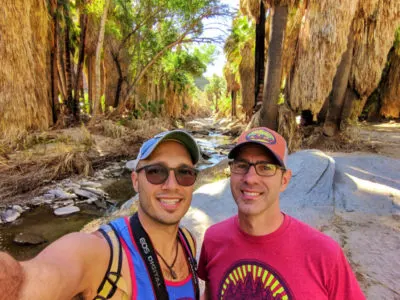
(11, 277)
(74, 264)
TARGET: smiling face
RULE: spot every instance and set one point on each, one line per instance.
(168, 202)
(254, 194)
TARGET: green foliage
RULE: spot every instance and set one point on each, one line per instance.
(84, 104)
(242, 31)
(225, 106)
(216, 90)
(154, 108)
(153, 30)
(182, 66)
(149, 37)
(95, 7)
(397, 41)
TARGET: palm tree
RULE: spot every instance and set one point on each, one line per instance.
(272, 79)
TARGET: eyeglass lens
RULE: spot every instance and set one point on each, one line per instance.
(262, 168)
(158, 174)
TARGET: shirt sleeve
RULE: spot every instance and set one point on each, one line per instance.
(343, 284)
(202, 269)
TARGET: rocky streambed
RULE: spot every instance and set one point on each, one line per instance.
(68, 205)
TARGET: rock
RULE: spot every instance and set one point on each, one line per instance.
(64, 203)
(49, 196)
(87, 183)
(130, 202)
(72, 185)
(235, 130)
(312, 180)
(84, 194)
(203, 132)
(91, 200)
(9, 215)
(98, 192)
(309, 195)
(18, 208)
(29, 239)
(37, 201)
(116, 173)
(205, 155)
(60, 194)
(67, 210)
(100, 204)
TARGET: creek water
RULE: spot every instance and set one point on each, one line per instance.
(42, 221)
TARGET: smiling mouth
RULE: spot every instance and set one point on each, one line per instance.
(170, 203)
(247, 195)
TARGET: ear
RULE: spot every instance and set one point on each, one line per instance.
(135, 180)
(287, 175)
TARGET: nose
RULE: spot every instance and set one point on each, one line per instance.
(171, 182)
(251, 175)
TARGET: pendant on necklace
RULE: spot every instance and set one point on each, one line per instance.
(173, 274)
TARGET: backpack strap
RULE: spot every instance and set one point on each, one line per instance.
(112, 279)
(189, 243)
(189, 239)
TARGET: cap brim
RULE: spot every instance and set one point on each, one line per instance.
(180, 136)
(234, 151)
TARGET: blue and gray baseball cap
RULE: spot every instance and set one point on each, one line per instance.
(179, 136)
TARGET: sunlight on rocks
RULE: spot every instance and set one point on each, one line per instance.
(373, 187)
(212, 189)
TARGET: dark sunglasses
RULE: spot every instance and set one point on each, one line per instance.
(158, 174)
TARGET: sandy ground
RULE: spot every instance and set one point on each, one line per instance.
(354, 198)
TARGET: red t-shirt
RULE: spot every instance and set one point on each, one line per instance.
(294, 262)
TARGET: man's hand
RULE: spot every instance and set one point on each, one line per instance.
(11, 277)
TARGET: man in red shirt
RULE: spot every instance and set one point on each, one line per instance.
(263, 253)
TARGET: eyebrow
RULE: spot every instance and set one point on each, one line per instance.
(257, 162)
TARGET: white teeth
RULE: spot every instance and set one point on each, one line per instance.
(251, 194)
(169, 201)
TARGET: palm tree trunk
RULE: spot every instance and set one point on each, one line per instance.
(272, 82)
(54, 52)
(233, 96)
(68, 65)
(99, 47)
(83, 21)
(333, 118)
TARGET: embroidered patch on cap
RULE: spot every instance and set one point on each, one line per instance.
(261, 136)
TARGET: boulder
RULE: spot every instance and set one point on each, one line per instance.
(100, 204)
(9, 215)
(85, 194)
(29, 239)
(91, 184)
(64, 203)
(67, 210)
(130, 202)
(18, 208)
(98, 192)
(60, 194)
(312, 180)
(309, 195)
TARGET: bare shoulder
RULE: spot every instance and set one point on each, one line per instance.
(73, 264)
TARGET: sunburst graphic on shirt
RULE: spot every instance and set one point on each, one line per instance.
(253, 280)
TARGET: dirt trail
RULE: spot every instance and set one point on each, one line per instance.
(383, 137)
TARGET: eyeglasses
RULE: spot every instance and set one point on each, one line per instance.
(262, 168)
(159, 173)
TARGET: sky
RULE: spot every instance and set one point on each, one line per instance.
(217, 66)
